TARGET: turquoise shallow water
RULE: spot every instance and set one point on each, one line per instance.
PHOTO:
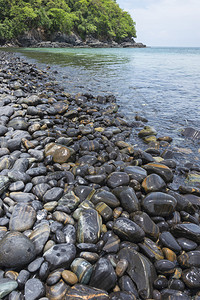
(162, 84)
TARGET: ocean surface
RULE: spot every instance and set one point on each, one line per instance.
(161, 84)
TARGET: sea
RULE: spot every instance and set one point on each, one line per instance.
(159, 83)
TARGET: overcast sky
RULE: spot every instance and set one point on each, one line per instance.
(165, 22)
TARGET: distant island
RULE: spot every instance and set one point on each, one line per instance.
(66, 23)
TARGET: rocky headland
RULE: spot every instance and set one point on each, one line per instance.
(38, 39)
(83, 214)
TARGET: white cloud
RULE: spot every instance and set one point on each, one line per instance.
(167, 22)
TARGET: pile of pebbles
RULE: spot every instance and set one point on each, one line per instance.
(83, 214)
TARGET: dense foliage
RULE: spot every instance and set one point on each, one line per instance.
(102, 19)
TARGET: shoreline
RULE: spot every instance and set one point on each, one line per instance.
(84, 202)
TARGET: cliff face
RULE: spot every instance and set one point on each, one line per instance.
(38, 38)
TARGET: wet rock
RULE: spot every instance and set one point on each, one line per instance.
(189, 259)
(103, 275)
(69, 277)
(128, 198)
(89, 226)
(23, 218)
(83, 270)
(161, 170)
(160, 204)
(141, 271)
(186, 244)
(173, 294)
(106, 197)
(128, 230)
(34, 289)
(126, 284)
(40, 236)
(192, 231)
(53, 194)
(165, 266)
(4, 183)
(117, 178)
(151, 250)
(136, 173)
(104, 210)
(191, 278)
(18, 124)
(57, 291)
(167, 239)
(146, 223)
(80, 291)
(60, 153)
(16, 250)
(6, 286)
(60, 255)
(153, 183)
(147, 131)
(70, 200)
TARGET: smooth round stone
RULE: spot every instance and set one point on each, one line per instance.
(6, 286)
(34, 289)
(117, 178)
(103, 275)
(3, 130)
(161, 170)
(35, 265)
(80, 291)
(69, 277)
(146, 131)
(16, 250)
(126, 284)
(40, 189)
(160, 283)
(36, 171)
(140, 270)
(111, 244)
(146, 223)
(169, 241)
(16, 175)
(23, 217)
(89, 256)
(128, 198)
(57, 291)
(16, 186)
(107, 197)
(18, 124)
(15, 295)
(22, 278)
(83, 270)
(60, 153)
(153, 183)
(69, 200)
(169, 254)
(151, 250)
(104, 210)
(121, 267)
(22, 197)
(60, 255)
(191, 278)
(50, 206)
(54, 276)
(62, 217)
(173, 295)
(6, 162)
(89, 226)
(177, 284)
(128, 230)
(136, 173)
(189, 230)
(165, 266)
(159, 204)
(186, 244)
(53, 194)
(98, 178)
(40, 236)
(90, 145)
(189, 259)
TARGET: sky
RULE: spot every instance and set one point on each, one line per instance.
(174, 23)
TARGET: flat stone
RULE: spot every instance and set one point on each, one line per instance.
(53, 194)
(6, 286)
(117, 178)
(23, 217)
(79, 291)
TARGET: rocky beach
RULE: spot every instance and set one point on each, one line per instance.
(83, 213)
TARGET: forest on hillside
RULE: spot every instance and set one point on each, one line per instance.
(101, 19)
